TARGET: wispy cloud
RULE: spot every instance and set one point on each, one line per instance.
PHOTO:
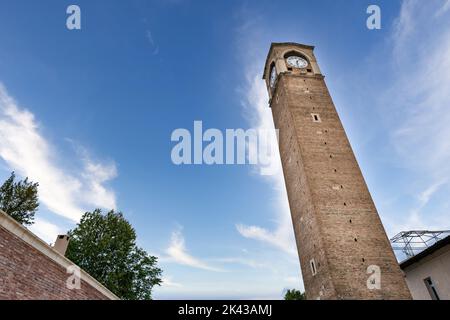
(423, 79)
(258, 113)
(178, 253)
(168, 282)
(415, 219)
(426, 195)
(444, 8)
(292, 280)
(418, 102)
(46, 230)
(152, 42)
(25, 150)
(245, 262)
(417, 106)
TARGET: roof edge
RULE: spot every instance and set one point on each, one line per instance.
(423, 254)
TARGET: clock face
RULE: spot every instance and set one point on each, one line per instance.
(297, 62)
(273, 76)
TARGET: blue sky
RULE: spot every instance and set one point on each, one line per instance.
(89, 114)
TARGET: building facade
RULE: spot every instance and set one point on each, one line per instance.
(30, 269)
(428, 272)
(343, 248)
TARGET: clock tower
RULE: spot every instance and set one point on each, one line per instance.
(343, 248)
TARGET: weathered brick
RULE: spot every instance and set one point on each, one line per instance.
(335, 220)
(26, 273)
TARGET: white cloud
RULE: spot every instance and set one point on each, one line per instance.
(245, 262)
(293, 280)
(415, 219)
(423, 79)
(168, 282)
(152, 42)
(418, 104)
(426, 195)
(403, 26)
(177, 253)
(260, 117)
(279, 238)
(252, 40)
(95, 175)
(445, 7)
(46, 230)
(26, 151)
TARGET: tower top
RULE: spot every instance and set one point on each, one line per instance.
(287, 45)
(289, 59)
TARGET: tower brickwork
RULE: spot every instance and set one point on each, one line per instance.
(340, 238)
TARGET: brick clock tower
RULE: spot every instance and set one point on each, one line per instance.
(340, 238)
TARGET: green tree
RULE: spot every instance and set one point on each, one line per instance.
(293, 294)
(105, 247)
(19, 199)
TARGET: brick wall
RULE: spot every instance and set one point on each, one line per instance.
(336, 223)
(29, 269)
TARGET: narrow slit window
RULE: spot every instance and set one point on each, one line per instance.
(313, 267)
(316, 117)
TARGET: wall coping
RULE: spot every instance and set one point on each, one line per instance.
(12, 226)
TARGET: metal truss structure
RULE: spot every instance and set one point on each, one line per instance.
(412, 242)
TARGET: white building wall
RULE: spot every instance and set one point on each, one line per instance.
(437, 267)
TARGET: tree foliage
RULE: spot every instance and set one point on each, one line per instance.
(19, 199)
(105, 247)
(293, 294)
